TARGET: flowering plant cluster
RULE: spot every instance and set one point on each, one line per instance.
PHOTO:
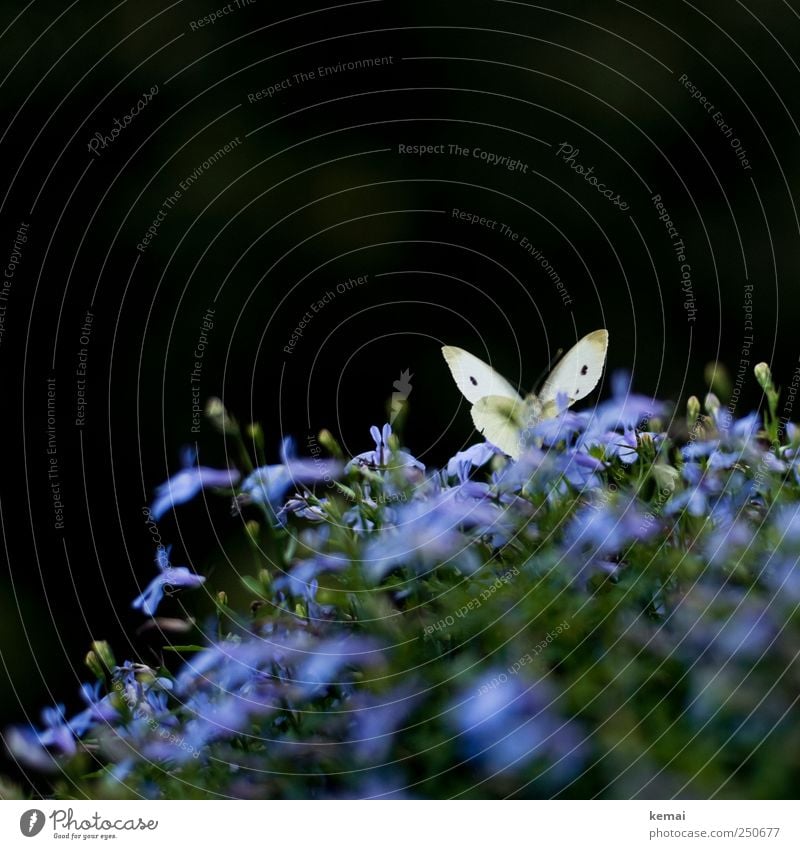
(615, 614)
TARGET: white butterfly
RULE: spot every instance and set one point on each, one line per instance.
(499, 412)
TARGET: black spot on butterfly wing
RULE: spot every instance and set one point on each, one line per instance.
(473, 381)
(584, 369)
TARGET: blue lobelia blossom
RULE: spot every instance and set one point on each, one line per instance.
(217, 717)
(302, 507)
(330, 663)
(265, 669)
(739, 431)
(728, 538)
(302, 581)
(24, 744)
(516, 510)
(429, 533)
(701, 492)
(468, 488)
(382, 457)
(269, 484)
(694, 501)
(786, 525)
(782, 576)
(169, 576)
(734, 442)
(231, 684)
(185, 485)
(151, 733)
(99, 710)
(561, 428)
(550, 472)
(620, 445)
(230, 665)
(57, 732)
(723, 621)
(40, 748)
(507, 724)
(608, 528)
(377, 719)
(580, 469)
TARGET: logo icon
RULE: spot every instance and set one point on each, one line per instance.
(399, 398)
(31, 822)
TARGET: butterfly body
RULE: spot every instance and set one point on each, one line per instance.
(498, 410)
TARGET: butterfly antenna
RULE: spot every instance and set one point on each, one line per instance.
(553, 360)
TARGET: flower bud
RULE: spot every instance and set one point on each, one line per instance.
(718, 379)
(253, 528)
(666, 477)
(103, 652)
(255, 433)
(329, 443)
(764, 377)
(93, 662)
(348, 492)
(219, 417)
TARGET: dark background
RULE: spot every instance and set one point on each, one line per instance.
(317, 193)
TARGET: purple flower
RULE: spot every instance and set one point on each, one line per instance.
(354, 518)
(561, 428)
(183, 486)
(259, 665)
(382, 455)
(694, 501)
(475, 456)
(301, 506)
(624, 409)
(726, 622)
(608, 529)
(99, 709)
(25, 744)
(301, 581)
(528, 474)
(269, 484)
(377, 719)
(580, 468)
(735, 443)
(38, 748)
(783, 576)
(57, 732)
(466, 487)
(538, 471)
(431, 533)
(722, 543)
(222, 715)
(621, 445)
(786, 521)
(328, 664)
(695, 451)
(739, 431)
(170, 576)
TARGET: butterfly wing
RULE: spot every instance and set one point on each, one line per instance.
(577, 372)
(475, 378)
(502, 421)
